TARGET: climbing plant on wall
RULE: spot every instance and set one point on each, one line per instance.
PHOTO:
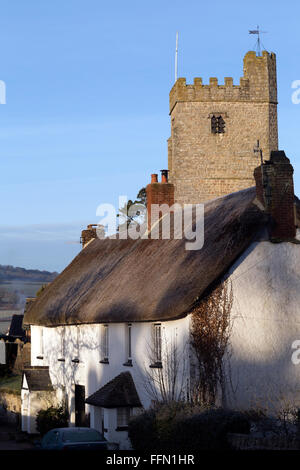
(210, 332)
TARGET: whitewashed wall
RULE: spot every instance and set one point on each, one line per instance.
(266, 321)
(90, 372)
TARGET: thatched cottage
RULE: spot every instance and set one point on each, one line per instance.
(129, 322)
(123, 325)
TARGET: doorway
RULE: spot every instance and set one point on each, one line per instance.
(80, 419)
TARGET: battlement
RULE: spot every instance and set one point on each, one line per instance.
(257, 84)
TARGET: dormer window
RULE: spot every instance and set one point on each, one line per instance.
(217, 124)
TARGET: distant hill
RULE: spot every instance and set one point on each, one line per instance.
(10, 273)
(16, 284)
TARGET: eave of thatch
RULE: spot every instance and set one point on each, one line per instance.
(149, 280)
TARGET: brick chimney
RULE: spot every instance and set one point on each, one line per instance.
(159, 193)
(275, 190)
(89, 234)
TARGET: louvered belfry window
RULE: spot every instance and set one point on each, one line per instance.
(217, 124)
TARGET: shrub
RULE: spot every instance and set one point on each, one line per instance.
(185, 427)
(142, 431)
(52, 417)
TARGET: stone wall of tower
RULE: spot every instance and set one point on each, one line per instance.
(204, 165)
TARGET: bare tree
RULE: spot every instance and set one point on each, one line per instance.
(166, 381)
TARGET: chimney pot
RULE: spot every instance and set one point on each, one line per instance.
(154, 177)
(164, 176)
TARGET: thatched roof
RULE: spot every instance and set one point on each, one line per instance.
(119, 392)
(38, 379)
(149, 280)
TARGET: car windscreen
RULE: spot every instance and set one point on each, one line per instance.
(82, 435)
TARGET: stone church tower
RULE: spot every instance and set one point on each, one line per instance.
(214, 129)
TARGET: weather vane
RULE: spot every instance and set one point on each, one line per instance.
(258, 43)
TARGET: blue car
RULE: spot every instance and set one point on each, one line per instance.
(73, 439)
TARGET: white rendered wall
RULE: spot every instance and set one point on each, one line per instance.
(93, 374)
(266, 321)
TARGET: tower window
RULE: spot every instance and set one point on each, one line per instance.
(217, 124)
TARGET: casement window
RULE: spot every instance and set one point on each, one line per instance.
(123, 416)
(77, 341)
(217, 124)
(157, 342)
(41, 344)
(76, 358)
(62, 338)
(63, 341)
(128, 345)
(156, 345)
(105, 344)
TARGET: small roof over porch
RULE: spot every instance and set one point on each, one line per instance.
(119, 392)
(36, 379)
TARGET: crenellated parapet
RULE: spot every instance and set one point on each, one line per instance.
(257, 84)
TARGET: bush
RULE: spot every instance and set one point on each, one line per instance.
(52, 417)
(182, 426)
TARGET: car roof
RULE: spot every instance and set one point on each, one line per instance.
(75, 429)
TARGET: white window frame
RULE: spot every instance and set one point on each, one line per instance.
(123, 416)
(78, 341)
(157, 343)
(105, 343)
(41, 345)
(63, 342)
(128, 342)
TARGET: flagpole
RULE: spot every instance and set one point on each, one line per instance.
(176, 58)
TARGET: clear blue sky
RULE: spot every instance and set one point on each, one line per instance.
(86, 117)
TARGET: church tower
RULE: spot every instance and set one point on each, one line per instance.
(214, 129)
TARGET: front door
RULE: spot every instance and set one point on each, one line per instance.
(80, 405)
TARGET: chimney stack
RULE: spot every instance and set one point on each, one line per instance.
(159, 193)
(275, 190)
(89, 234)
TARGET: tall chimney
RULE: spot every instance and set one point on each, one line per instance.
(159, 193)
(275, 190)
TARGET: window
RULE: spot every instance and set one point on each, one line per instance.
(217, 124)
(128, 358)
(104, 344)
(76, 359)
(62, 339)
(123, 416)
(41, 344)
(77, 340)
(62, 334)
(156, 346)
